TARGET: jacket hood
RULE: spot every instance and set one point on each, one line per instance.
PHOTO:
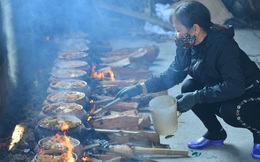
(215, 34)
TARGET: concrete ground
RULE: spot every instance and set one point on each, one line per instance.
(239, 143)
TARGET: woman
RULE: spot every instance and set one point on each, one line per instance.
(224, 81)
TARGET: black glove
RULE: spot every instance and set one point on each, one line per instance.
(131, 91)
(186, 101)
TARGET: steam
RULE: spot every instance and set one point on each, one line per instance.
(10, 41)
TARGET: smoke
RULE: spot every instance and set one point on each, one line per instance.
(29, 22)
(46, 17)
(10, 41)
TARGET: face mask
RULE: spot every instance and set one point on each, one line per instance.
(186, 41)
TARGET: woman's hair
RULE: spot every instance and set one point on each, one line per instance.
(192, 12)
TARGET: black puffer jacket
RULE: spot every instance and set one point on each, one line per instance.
(217, 63)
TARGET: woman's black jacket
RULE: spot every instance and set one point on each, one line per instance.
(217, 63)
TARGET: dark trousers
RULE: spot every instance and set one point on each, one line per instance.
(247, 115)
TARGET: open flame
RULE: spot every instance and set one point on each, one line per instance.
(91, 111)
(17, 135)
(64, 127)
(42, 151)
(66, 144)
(89, 117)
(102, 74)
(85, 158)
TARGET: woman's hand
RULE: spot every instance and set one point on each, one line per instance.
(187, 101)
(131, 91)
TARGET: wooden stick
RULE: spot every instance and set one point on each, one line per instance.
(121, 131)
(91, 146)
(105, 101)
(125, 154)
(158, 151)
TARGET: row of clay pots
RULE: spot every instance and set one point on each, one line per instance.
(69, 77)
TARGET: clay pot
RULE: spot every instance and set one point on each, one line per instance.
(54, 122)
(83, 56)
(68, 97)
(78, 46)
(63, 65)
(49, 143)
(59, 108)
(51, 153)
(69, 85)
(68, 74)
(53, 127)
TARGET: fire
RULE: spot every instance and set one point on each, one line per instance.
(42, 151)
(91, 111)
(102, 74)
(66, 144)
(17, 135)
(89, 117)
(64, 126)
(85, 158)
